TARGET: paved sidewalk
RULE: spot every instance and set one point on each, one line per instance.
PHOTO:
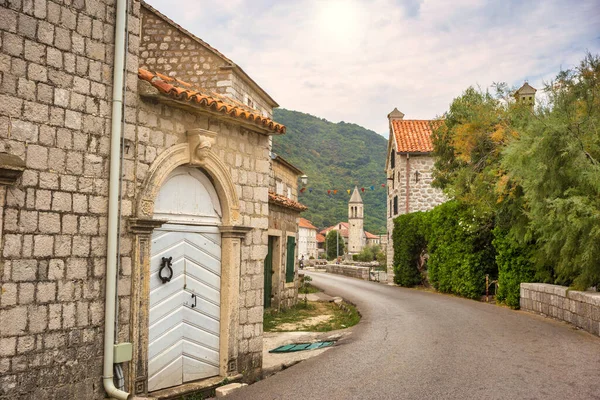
(274, 362)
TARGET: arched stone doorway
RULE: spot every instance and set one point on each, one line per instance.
(185, 281)
(150, 216)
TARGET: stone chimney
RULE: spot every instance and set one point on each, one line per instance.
(396, 114)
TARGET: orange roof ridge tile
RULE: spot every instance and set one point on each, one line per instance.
(218, 103)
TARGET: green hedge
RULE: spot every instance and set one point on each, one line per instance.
(515, 265)
(459, 247)
(409, 242)
(460, 250)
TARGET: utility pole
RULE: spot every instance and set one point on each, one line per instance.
(337, 247)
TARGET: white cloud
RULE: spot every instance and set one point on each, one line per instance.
(355, 60)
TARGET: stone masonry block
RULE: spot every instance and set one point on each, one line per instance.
(18, 322)
(56, 269)
(24, 270)
(38, 318)
(8, 346)
(46, 292)
(43, 245)
(49, 222)
(8, 294)
(77, 268)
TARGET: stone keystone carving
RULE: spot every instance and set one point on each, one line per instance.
(200, 141)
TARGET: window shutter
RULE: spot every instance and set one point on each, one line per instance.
(291, 258)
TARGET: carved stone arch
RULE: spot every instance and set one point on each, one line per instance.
(179, 155)
(196, 153)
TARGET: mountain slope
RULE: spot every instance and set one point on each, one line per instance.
(335, 156)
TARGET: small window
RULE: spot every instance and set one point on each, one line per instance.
(290, 259)
(289, 192)
(395, 205)
(279, 187)
(393, 159)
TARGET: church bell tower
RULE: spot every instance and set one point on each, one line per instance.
(355, 223)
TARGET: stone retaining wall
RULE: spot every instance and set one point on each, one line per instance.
(348, 270)
(581, 309)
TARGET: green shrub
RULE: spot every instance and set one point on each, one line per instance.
(354, 257)
(460, 250)
(515, 265)
(409, 243)
(369, 253)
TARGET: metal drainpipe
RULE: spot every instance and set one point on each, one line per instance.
(113, 203)
(407, 182)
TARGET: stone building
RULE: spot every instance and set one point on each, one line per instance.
(526, 94)
(307, 239)
(195, 175)
(280, 265)
(409, 169)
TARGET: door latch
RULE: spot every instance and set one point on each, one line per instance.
(166, 262)
(195, 300)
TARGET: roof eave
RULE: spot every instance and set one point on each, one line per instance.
(191, 107)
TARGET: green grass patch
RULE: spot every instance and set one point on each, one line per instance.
(311, 317)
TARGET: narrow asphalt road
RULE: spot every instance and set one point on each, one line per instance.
(413, 344)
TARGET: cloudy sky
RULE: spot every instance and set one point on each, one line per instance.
(355, 60)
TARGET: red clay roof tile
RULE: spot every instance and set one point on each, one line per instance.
(285, 202)
(212, 101)
(414, 136)
(304, 223)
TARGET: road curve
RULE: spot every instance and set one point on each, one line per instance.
(414, 344)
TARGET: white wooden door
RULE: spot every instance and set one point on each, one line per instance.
(183, 335)
(184, 312)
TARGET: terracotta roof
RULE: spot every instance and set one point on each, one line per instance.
(183, 91)
(369, 235)
(320, 238)
(343, 231)
(414, 136)
(526, 89)
(285, 202)
(304, 223)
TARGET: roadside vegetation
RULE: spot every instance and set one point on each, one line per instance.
(524, 184)
(311, 317)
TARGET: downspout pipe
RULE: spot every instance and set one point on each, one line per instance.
(113, 203)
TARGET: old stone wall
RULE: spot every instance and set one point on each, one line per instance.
(55, 107)
(283, 222)
(581, 309)
(421, 196)
(289, 178)
(169, 49)
(348, 270)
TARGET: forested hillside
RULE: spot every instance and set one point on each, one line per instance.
(335, 157)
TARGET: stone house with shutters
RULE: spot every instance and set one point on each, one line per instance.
(193, 223)
(409, 168)
(281, 262)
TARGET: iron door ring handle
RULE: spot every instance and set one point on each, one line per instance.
(166, 262)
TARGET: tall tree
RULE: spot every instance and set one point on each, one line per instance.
(334, 239)
(556, 161)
